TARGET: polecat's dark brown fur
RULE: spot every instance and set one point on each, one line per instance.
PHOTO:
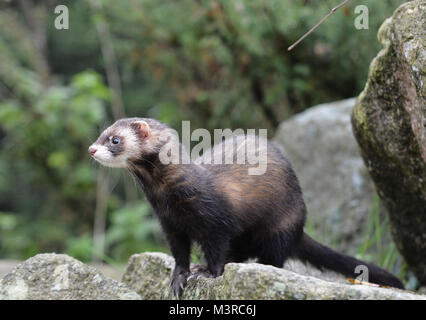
(231, 214)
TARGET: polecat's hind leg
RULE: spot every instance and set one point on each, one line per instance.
(235, 255)
(276, 261)
(276, 249)
(215, 251)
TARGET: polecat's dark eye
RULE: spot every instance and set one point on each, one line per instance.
(115, 140)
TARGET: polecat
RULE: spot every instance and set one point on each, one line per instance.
(234, 216)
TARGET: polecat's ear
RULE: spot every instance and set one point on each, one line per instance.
(143, 128)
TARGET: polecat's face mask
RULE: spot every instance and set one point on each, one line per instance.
(120, 143)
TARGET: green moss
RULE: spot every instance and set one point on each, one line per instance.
(384, 32)
(360, 116)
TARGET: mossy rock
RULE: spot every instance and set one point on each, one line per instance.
(389, 122)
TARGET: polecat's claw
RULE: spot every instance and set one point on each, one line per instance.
(178, 284)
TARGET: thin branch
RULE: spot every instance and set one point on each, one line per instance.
(318, 24)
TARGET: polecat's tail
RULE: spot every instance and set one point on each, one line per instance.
(322, 257)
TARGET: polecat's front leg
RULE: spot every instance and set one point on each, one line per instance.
(180, 245)
(178, 282)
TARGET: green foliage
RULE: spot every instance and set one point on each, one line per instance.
(377, 239)
(49, 139)
(80, 247)
(44, 155)
(133, 229)
(228, 60)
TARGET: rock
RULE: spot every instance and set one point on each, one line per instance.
(113, 272)
(60, 277)
(6, 266)
(299, 267)
(337, 188)
(149, 275)
(109, 271)
(389, 121)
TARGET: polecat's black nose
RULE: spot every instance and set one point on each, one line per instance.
(92, 150)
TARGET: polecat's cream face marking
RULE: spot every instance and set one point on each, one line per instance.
(119, 143)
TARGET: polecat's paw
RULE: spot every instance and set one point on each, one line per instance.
(198, 275)
(198, 271)
(178, 284)
(199, 268)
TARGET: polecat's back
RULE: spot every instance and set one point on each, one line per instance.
(271, 195)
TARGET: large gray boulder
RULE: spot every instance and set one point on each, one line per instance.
(149, 275)
(60, 277)
(337, 188)
(389, 123)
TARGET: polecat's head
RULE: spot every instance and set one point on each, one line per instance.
(125, 141)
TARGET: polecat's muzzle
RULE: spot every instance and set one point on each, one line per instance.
(92, 150)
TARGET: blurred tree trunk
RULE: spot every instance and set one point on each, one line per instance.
(102, 194)
(108, 54)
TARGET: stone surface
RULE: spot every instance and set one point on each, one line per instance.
(337, 188)
(149, 275)
(113, 272)
(60, 277)
(389, 121)
(6, 266)
(299, 267)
